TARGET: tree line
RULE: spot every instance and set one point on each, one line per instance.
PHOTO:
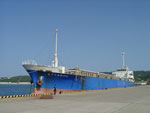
(20, 78)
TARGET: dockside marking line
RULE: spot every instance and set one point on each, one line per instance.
(26, 95)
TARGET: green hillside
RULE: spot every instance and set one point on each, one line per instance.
(142, 75)
(16, 79)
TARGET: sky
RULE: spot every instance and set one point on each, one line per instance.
(92, 34)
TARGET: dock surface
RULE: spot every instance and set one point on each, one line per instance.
(121, 100)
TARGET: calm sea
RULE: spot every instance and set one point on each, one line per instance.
(15, 89)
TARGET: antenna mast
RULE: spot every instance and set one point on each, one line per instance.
(56, 55)
(123, 60)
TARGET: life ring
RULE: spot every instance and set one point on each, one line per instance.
(39, 82)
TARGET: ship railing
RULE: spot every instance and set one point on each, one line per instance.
(83, 73)
(29, 62)
(92, 74)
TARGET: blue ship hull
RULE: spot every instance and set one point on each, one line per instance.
(72, 82)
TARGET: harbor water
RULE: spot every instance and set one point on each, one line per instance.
(15, 89)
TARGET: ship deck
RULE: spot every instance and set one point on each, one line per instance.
(121, 100)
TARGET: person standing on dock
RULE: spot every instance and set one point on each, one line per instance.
(55, 90)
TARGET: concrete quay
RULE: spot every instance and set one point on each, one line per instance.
(121, 100)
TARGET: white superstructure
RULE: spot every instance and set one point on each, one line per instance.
(124, 72)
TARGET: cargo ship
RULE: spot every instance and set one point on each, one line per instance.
(44, 78)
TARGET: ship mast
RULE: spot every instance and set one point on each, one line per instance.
(123, 60)
(56, 55)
